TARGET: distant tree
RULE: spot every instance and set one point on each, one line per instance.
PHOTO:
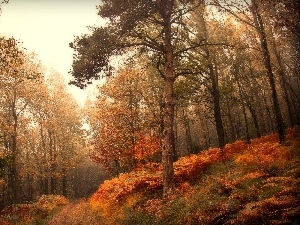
(123, 131)
(259, 24)
(16, 73)
(40, 128)
(250, 14)
(283, 32)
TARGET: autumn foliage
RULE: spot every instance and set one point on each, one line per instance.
(253, 183)
(34, 213)
(244, 184)
(120, 156)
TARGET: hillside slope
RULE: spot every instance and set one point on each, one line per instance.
(244, 184)
(257, 183)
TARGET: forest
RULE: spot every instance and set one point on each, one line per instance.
(195, 121)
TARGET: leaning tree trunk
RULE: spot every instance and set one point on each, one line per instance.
(267, 61)
(246, 102)
(213, 74)
(284, 84)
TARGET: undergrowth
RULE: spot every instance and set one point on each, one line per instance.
(243, 184)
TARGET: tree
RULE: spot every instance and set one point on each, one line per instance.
(40, 128)
(206, 61)
(284, 38)
(250, 15)
(17, 72)
(125, 125)
(153, 28)
(63, 137)
(214, 77)
(258, 21)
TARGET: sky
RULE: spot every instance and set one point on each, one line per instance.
(46, 27)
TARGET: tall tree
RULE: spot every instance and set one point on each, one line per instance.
(249, 13)
(283, 30)
(124, 110)
(152, 27)
(207, 60)
(40, 128)
(16, 72)
(258, 21)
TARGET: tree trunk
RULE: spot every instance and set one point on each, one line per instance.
(189, 141)
(13, 181)
(52, 161)
(267, 61)
(247, 102)
(175, 154)
(64, 184)
(284, 85)
(44, 171)
(231, 127)
(168, 143)
(246, 123)
(214, 90)
(270, 121)
(217, 108)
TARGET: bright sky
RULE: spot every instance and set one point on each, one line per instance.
(46, 27)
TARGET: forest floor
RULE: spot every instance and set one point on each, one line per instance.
(257, 183)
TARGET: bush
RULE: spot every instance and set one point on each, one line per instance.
(45, 207)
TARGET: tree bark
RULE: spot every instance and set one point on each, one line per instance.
(217, 108)
(168, 143)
